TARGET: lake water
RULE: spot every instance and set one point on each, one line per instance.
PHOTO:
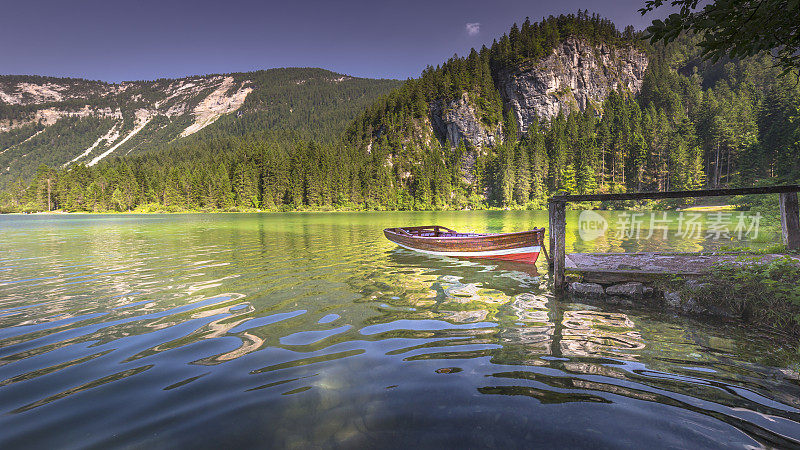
(297, 330)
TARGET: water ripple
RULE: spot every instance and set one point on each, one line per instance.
(148, 330)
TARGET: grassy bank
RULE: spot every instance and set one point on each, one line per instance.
(765, 295)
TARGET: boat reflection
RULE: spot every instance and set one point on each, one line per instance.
(319, 327)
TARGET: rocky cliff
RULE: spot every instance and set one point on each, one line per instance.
(46, 100)
(574, 76)
(458, 120)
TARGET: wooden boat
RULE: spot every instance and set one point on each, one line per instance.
(439, 240)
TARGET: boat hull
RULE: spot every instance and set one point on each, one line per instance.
(434, 240)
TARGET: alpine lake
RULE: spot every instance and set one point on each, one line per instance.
(307, 330)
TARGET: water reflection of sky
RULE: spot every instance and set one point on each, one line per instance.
(311, 329)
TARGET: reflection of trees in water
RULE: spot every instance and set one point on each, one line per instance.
(597, 333)
(460, 291)
(531, 324)
(564, 352)
(427, 291)
(583, 344)
(544, 332)
(716, 359)
(529, 333)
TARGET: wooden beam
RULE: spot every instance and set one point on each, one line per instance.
(790, 216)
(676, 194)
(790, 220)
(558, 230)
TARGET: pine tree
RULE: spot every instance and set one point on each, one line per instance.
(522, 183)
(568, 182)
(506, 174)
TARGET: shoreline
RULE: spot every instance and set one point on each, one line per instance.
(259, 211)
(699, 208)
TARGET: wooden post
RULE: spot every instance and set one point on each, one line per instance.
(558, 230)
(551, 235)
(790, 220)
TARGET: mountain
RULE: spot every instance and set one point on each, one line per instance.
(61, 121)
(570, 103)
(475, 116)
(574, 76)
(573, 104)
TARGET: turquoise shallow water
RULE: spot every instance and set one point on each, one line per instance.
(296, 330)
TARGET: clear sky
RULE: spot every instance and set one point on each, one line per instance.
(115, 40)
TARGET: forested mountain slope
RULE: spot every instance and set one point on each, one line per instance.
(567, 104)
(572, 104)
(59, 121)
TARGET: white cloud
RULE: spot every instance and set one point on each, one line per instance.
(473, 28)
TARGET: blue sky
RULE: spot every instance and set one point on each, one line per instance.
(145, 39)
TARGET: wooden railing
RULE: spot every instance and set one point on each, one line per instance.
(790, 216)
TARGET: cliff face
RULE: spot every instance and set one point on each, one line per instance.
(574, 76)
(203, 99)
(458, 120)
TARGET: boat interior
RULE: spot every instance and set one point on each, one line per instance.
(432, 231)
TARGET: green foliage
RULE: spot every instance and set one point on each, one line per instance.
(284, 105)
(694, 124)
(764, 294)
(774, 248)
(734, 28)
(56, 144)
(400, 112)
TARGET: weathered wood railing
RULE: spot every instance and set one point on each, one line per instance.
(790, 217)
